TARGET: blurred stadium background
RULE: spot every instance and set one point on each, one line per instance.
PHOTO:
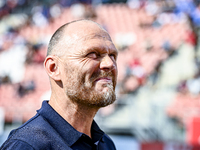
(158, 91)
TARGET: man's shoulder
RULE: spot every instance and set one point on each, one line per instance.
(35, 127)
(14, 144)
(109, 142)
(36, 133)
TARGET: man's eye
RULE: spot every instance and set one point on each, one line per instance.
(92, 55)
(113, 56)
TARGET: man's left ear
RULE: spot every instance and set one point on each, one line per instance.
(51, 67)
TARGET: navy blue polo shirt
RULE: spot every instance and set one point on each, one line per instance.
(48, 130)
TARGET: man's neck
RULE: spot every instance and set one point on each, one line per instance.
(78, 116)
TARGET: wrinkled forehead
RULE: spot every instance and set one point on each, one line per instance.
(81, 35)
(81, 38)
(87, 37)
(86, 30)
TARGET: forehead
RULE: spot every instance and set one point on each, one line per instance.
(86, 30)
(87, 35)
(96, 42)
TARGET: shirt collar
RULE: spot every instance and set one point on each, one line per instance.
(63, 128)
(97, 133)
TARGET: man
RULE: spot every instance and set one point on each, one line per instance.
(81, 64)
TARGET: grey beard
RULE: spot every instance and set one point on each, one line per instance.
(83, 95)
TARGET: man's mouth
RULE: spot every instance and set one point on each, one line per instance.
(108, 79)
(104, 79)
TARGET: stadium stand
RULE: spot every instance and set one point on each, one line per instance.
(147, 43)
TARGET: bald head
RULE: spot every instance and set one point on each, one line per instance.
(69, 34)
(82, 64)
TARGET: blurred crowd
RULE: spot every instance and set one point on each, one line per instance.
(17, 51)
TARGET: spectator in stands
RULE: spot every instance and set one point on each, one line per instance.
(5, 80)
(168, 48)
(194, 85)
(137, 70)
(81, 64)
(156, 74)
(182, 87)
(25, 88)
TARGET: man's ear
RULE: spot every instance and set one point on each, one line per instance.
(51, 67)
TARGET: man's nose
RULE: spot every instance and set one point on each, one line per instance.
(107, 63)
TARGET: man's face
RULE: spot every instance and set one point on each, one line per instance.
(90, 70)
